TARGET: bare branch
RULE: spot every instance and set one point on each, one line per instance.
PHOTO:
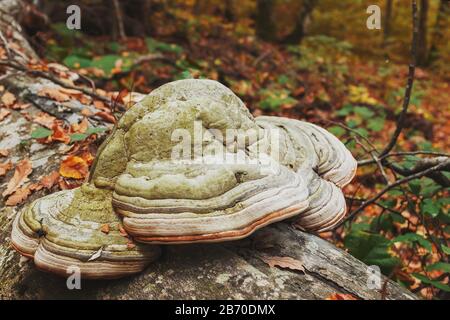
(444, 164)
(409, 86)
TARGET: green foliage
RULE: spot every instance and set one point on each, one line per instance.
(41, 132)
(371, 248)
(434, 283)
(158, 46)
(81, 136)
(274, 99)
(414, 238)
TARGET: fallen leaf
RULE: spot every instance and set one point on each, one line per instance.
(23, 169)
(4, 152)
(341, 296)
(4, 167)
(96, 255)
(8, 99)
(50, 180)
(284, 262)
(59, 134)
(54, 93)
(18, 196)
(106, 116)
(4, 113)
(44, 119)
(74, 167)
(105, 228)
(131, 245)
(80, 127)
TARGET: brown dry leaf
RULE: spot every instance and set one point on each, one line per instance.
(4, 113)
(341, 296)
(71, 92)
(80, 127)
(131, 245)
(106, 116)
(8, 99)
(86, 112)
(44, 119)
(105, 228)
(23, 169)
(87, 156)
(18, 196)
(100, 105)
(284, 262)
(4, 152)
(4, 167)
(54, 93)
(74, 167)
(50, 180)
(20, 106)
(59, 134)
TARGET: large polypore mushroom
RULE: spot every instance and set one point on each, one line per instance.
(188, 163)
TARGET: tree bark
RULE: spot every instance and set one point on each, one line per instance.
(387, 22)
(298, 33)
(265, 27)
(440, 29)
(233, 270)
(422, 52)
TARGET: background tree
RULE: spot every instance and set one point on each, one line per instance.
(422, 52)
(302, 19)
(265, 27)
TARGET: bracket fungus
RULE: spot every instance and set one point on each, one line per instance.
(188, 163)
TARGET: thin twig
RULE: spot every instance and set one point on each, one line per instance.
(391, 186)
(400, 154)
(412, 67)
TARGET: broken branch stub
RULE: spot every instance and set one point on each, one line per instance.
(188, 163)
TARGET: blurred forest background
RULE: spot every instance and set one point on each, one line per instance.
(307, 59)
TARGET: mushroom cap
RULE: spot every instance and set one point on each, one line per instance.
(187, 163)
(64, 230)
(163, 200)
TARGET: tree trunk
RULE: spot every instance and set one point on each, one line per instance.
(265, 28)
(422, 52)
(440, 29)
(298, 33)
(387, 22)
(233, 270)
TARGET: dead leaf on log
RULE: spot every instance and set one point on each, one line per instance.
(106, 116)
(4, 113)
(8, 99)
(18, 196)
(50, 180)
(4, 167)
(44, 119)
(4, 152)
(74, 167)
(341, 296)
(284, 263)
(54, 93)
(23, 169)
(59, 134)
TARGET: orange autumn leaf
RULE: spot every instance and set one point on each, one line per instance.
(106, 116)
(4, 167)
(80, 127)
(341, 296)
(18, 196)
(8, 99)
(284, 262)
(74, 167)
(105, 228)
(59, 134)
(4, 113)
(50, 180)
(4, 152)
(23, 169)
(87, 156)
(54, 93)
